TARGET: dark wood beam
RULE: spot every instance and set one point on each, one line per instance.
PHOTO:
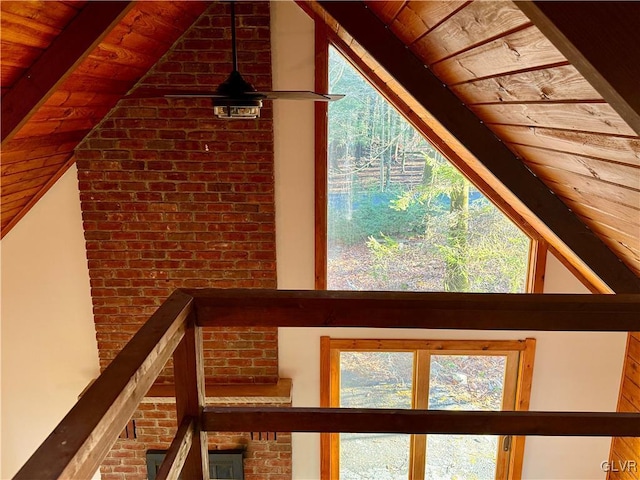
(373, 420)
(188, 367)
(85, 435)
(455, 117)
(541, 312)
(602, 40)
(58, 61)
(177, 453)
(276, 392)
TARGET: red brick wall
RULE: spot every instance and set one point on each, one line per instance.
(173, 197)
(266, 457)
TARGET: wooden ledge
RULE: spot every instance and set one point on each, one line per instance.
(229, 393)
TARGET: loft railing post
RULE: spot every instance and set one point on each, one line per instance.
(85, 435)
(188, 366)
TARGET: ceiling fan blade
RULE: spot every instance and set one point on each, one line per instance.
(152, 92)
(300, 95)
(194, 94)
(235, 91)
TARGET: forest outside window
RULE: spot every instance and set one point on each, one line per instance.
(399, 215)
(424, 374)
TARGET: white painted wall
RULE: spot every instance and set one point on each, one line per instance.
(568, 374)
(49, 351)
(293, 69)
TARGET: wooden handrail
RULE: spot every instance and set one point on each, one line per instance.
(77, 446)
(83, 438)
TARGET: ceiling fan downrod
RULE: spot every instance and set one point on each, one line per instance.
(240, 104)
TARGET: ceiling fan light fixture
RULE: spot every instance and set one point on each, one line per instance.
(236, 111)
(237, 108)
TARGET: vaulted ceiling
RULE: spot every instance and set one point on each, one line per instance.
(536, 102)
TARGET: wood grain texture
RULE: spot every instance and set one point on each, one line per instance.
(386, 10)
(16, 59)
(521, 50)
(118, 55)
(57, 62)
(21, 30)
(356, 420)
(626, 211)
(176, 455)
(477, 347)
(546, 85)
(587, 185)
(617, 173)
(321, 142)
(20, 165)
(607, 147)
(631, 392)
(523, 398)
(24, 149)
(626, 406)
(584, 117)
(620, 456)
(416, 310)
(599, 38)
(476, 23)
(537, 266)
(326, 442)
(52, 13)
(417, 17)
(188, 367)
(280, 391)
(452, 114)
(624, 449)
(84, 94)
(609, 224)
(82, 439)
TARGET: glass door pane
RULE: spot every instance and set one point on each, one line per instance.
(464, 382)
(375, 380)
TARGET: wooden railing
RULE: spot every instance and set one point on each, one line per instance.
(77, 446)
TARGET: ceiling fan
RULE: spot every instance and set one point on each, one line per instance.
(235, 97)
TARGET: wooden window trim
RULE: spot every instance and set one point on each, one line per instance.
(321, 140)
(535, 271)
(537, 266)
(518, 376)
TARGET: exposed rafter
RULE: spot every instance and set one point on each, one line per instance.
(564, 230)
(602, 40)
(57, 62)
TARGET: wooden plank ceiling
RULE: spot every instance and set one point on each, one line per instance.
(65, 64)
(550, 113)
(501, 67)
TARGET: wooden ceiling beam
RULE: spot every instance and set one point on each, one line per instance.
(564, 228)
(57, 62)
(601, 39)
(407, 421)
(467, 311)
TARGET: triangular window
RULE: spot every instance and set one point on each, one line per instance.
(399, 215)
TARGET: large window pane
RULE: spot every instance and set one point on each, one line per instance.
(464, 382)
(375, 380)
(400, 217)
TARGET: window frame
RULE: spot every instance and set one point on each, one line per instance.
(324, 38)
(518, 376)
